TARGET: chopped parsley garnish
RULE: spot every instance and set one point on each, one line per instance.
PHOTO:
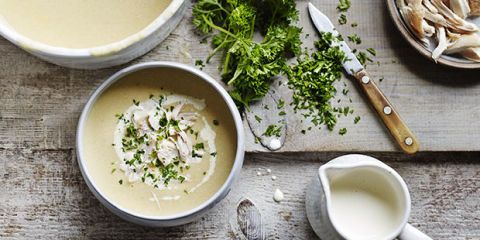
(342, 131)
(343, 5)
(199, 63)
(280, 104)
(312, 81)
(199, 146)
(216, 122)
(119, 116)
(356, 120)
(363, 58)
(136, 102)
(372, 51)
(120, 181)
(342, 19)
(259, 119)
(354, 25)
(354, 38)
(144, 143)
(273, 130)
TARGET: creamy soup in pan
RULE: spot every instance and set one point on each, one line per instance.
(80, 23)
(155, 145)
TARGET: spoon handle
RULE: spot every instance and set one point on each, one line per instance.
(398, 129)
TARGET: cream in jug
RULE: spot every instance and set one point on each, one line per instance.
(358, 197)
(362, 207)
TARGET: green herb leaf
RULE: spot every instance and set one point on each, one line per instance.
(343, 5)
(272, 130)
(354, 38)
(342, 19)
(356, 120)
(372, 51)
(248, 65)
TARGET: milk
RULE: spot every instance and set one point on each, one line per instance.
(364, 206)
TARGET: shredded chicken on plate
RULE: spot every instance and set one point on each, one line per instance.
(445, 21)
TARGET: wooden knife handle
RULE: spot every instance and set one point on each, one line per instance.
(398, 129)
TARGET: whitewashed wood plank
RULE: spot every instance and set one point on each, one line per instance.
(40, 102)
(43, 196)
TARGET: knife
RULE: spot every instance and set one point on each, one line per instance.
(398, 129)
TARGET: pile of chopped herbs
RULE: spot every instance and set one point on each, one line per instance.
(312, 81)
(249, 65)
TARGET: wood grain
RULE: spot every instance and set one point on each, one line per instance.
(43, 196)
(40, 103)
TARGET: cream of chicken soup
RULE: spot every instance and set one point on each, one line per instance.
(80, 23)
(158, 148)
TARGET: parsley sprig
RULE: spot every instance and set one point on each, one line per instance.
(248, 65)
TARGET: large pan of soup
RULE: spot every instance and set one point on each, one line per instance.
(89, 33)
(160, 143)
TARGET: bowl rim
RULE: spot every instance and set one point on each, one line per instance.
(411, 39)
(240, 141)
(29, 44)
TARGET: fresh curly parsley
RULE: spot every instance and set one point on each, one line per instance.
(248, 65)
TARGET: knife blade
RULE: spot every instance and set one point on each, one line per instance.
(323, 24)
(397, 127)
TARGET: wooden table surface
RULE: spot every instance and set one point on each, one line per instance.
(41, 102)
(43, 196)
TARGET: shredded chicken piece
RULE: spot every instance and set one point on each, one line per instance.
(471, 54)
(442, 43)
(460, 7)
(464, 42)
(443, 20)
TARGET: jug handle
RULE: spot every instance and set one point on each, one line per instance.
(411, 233)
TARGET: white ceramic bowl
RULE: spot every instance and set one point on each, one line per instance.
(108, 55)
(183, 217)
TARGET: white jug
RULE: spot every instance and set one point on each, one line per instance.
(358, 197)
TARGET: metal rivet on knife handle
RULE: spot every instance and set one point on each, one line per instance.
(409, 141)
(387, 110)
(365, 79)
